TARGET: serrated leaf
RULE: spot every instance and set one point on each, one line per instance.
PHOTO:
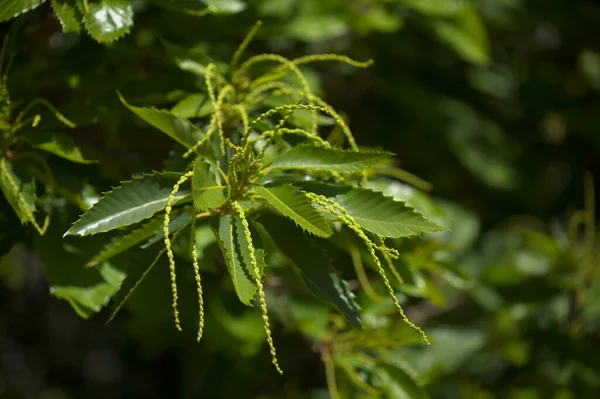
(193, 106)
(292, 203)
(129, 203)
(12, 8)
(205, 190)
(67, 15)
(108, 20)
(312, 264)
(123, 242)
(179, 129)
(56, 143)
(310, 157)
(383, 215)
(232, 240)
(18, 189)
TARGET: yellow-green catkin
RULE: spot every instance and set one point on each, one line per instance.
(208, 79)
(388, 260)
(258, 280)
(170, 255)
(294, 69)
(337, 210)
(197, 276)
(240, 50)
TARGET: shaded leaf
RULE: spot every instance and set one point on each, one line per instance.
(179, 129)
(311, 157)
(89, 300)
(18, 189)
(177, 222)
(292, 203)
(205, 190)
(123, 242)
(67, 15)
(384, 216)
(232, 240)
(129, 203)
(108, 20)
(310, 261)
(11, 8)
(56, 143)
(87, 290)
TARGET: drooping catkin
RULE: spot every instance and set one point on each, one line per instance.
(341, 213)
(194, 254)
(293, 68)
(259, 284)
(170, 255)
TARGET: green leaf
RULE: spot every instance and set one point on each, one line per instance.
(467, 35)
(233, 243)
(202, 7)
(205, 190)
(397, 383)
(87, 290)
(310, 261)
(123, 242)
(437, 8)
(309, 157)
(292, 203)
(11, 8)
(193, 106)
(89, 300)
(108, 20)
(56, 143)
(179, 129)
(384, 216)
(225, 6)
(67, 15)
(18, 188)
(130, 203)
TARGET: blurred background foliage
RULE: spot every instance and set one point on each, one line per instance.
(494, 102)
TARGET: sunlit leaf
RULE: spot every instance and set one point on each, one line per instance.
(179, 129)
(384, 216)
(129, 203)
(205, 190)
(56, 143)
(67, 14)
(309, 157)
(292, 203)
(108, 20)
(12, 8)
